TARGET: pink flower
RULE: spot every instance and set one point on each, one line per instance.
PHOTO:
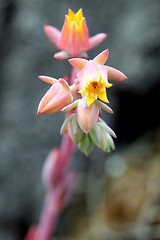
(94, 75)
(87, 116)
(74, 37)
(57, 97)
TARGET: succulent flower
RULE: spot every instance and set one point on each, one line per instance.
(98, 134)
(83, 123)
(93, 82)
(73, 39)
(57, 97)
(87, 116)
(82, 96)
(93, 77)
(89, 80)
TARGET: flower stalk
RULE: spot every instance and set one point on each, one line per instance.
(83, 97)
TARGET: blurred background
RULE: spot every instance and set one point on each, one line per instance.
(118, 194)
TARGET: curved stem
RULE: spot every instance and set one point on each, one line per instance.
(54, 199)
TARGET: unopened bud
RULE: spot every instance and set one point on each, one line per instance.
(56, 98)
(102, 138)
(74, 130)
(50, 173)
(87, 116)
(86, 145)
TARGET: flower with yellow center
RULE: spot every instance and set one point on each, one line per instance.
(94, 87)
(93, 76)
(73, 39)
(74, 36)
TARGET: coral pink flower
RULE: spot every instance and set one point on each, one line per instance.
(74, 38)
(94, 75)
(57, 97)
(93, 82)
(87, 116)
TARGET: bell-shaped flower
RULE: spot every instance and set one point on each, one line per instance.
(86, 116)
(93, 77)
(73, 39)
(93, 82)
(57, 97)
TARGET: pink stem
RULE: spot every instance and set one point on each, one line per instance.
(67, 149)
(48, 218)
(51, 210)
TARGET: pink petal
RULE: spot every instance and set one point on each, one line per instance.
(63, 41)
(61, 55)
(87, 116)
(102, 57)
(104, 74)
(97, 39)
(74, 72)
(48, 79)
(73, 41)
(64, 84)
(48, 98)
(52, 33)
(83, 35)
(81, 78)
(114, 74)
(91, 70)
(79, 63)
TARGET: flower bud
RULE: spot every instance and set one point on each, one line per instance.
(101, 137)
(50, 174)
(57, 97)
(74, 130)
(86, 116)
(86, 145)
(73, 39)
(110, 143)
